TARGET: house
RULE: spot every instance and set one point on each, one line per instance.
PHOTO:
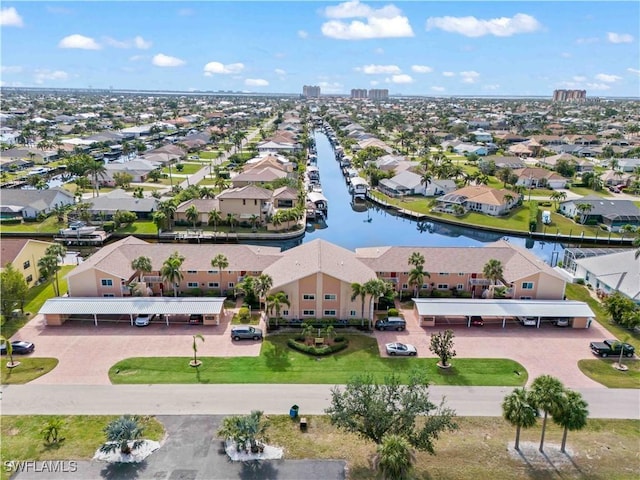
(106, 205)
(580, 164)
(24, 254)
(244, 202)
(258, 176)
(285, 197)
(31, 203)
(482, 135)
(138, 169)
(477, 198)
(410, 183)
(612, 272)
(271, 146)
(469, 148)
(532, 177)
(33, 155)
(593, 210)
(203, 207)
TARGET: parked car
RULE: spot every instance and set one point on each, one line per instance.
(245, 333)
(398, 348)
(528, 321)
(391, 323)
(19, 347)
(143, 320)
(561, 322)
(612, 348)
(195, 318)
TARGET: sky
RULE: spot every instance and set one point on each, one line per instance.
(483, 48)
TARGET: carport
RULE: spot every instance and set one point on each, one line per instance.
(428, 309)
(57, 310)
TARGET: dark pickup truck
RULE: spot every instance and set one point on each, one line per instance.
(610, 348)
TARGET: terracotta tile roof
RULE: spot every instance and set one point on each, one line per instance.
(481, 194)
(10, 248)
(202, 205)
(247, 192)
(267, 174)
(285, 193)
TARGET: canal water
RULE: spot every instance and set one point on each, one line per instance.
(377, 227)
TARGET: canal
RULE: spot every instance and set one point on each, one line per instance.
(377, 227)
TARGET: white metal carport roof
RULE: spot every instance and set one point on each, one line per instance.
(133, 305)
(502, 308)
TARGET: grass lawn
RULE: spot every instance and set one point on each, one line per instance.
(140, 226)
(584, 191)
(478, 449)
(187, 168)
(209, 155)
(277, 363)
(49, 225)
(580, 293)
(602, 371)
(29, 369)
(83, 434)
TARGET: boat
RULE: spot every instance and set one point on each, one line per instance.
(78, 229)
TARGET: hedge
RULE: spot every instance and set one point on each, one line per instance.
(341, 344)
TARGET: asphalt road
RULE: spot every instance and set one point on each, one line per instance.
(272, 399)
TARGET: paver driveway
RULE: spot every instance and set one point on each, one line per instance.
(547, 350)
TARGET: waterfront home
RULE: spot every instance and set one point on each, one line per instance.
(594, 210)
(139, 170)
(203, 207)
(271, 146)
(580, 164)
(258, 176)
(31, 203)
(611, 272)
(24, 254)
(410, 183)
(533, 177)
(106, 205)
(477, 198)
(244, 202)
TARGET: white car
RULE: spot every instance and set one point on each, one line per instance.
(528, 321)
(398, 348)
(143, 320)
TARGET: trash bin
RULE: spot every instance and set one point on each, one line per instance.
(293, 411)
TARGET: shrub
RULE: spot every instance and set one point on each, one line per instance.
(340, 343)
(580, 281)
(244, 315)
(392, 312)
(193, 292)
(109, 226)
(10, 221)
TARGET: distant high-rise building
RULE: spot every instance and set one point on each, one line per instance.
(378, 94)
(358, 93)
(569, 95)
(311, 91)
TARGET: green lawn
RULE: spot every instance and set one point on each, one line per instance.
(584, 191)
(187, 168)
(209, 155)
(29, 369)
(83, 435)
(278, 363)
(602, 371)
(580, 293)
(140, 226)
(49, 225)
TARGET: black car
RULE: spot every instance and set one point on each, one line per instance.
(19, 347)
(391, 323)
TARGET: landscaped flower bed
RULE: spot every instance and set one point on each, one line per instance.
(308, 345)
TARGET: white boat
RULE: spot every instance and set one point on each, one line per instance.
(78, 230)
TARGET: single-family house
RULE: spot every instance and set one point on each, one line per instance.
(612, 272)
(203, 207)
(106, 205)
(244, 202)
(477, 198)
(482, 135)
(533, 177)
(614, 214)
(24, 254)
(31, 203)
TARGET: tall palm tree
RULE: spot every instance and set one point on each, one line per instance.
(9, 348)
(274, 302)
(358, 290)
(231, 220)
(195, 362)
(168, 207)
(572, 414)
(97, 171)
(518, 411)
(220, 262)
(584, 209)
(160, 220)
(493, 271)
(141, 265)
(171, 271)
(377, 288)
(264, 282)
(394, 458)
(546, 395)
(557, 197)
(416, 278)
(57, 251)
(192, 214)
(214, 218)
(48, 268)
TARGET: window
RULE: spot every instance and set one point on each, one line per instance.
(106, 282)
(285, 313)
(212, 271)
(443, 273)
(329, 313)
(214, 285)
(231, 284)
(192, 271)
(330, 296)
(352, 313)
(26, 264)
(309, 296)
(527, 285)
(108, 295)
(443, 286)
(405, 286)
(29, 278)
(309, 313)
(192, 284)
(424, 285)
(525, 298)
(460, 286)
(461, 274)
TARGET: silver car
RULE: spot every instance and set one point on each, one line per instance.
(246, 333)
(398, 348)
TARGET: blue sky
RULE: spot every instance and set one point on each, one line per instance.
(418, 48)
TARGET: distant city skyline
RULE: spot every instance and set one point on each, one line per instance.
(410, 48)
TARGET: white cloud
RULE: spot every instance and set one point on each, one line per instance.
(437, 89)
(598, 86)
(448, 74)
(402, 78)
(633, 70)
(141, 43)
(212, 68)
(619, 37)
(475, 27)
(604, 77)
(41, 76)
(469, 77)
(112, 42)
(331, 87)
(79, 41)
(256, 82)
(137, 42)
(162, 60)
(302, 34)
(421, 69)
(380, 69)
(578, 78)
(384, 22)
(9, 17)
(280, 71)
(8, 69)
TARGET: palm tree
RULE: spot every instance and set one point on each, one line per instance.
(394, 458)
(275, 302)
(214, 217)
(377, 288)
(518, 411)
(493, 271)
(171, 271)
(48, 268)
(168, 207)
(358, 290)
(572, 414)
(636, 245)
(546, 395)
(57, 251)
(416, 277)
(584, 209)
(254, 221)
(192, 214)
(97, 171)
(557, 197)
(264, 282)
(9, 348)
(230, 220)
(120, 433)
(141, 265)
(160, 220)
(220, 262)
(416, 258)
(195, 362)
